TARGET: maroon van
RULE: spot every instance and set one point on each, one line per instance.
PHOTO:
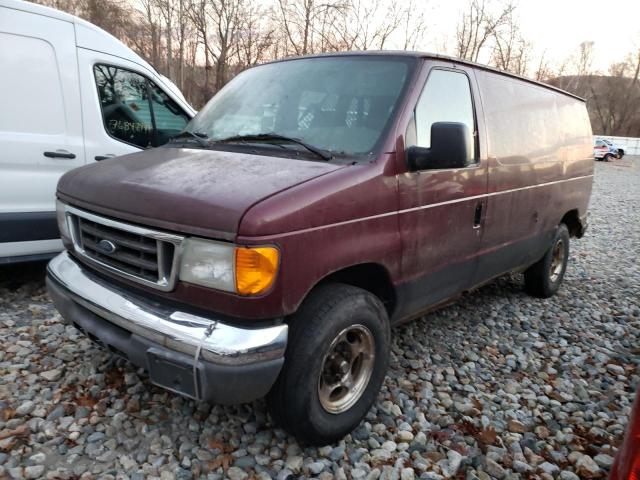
(312, 204)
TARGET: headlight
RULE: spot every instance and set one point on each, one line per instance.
(208, 263)
(61, 216)
(242, 270)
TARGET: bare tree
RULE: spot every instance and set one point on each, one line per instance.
(414, 24)
(256, 35)
(225, 18)
(305, 22)
(477, 26)
(149, 42)
(543, 71)
(615, 99)
(511, 51)
(198, 15)
(167, 10)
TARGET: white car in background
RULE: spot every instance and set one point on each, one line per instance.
(606, 150)
(71, 94)
(618, 149)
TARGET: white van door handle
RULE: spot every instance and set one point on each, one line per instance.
(60, 154)
(103, 157)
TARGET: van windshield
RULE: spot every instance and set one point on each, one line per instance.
(338, 104)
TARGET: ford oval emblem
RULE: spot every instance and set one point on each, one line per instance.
(105, 246)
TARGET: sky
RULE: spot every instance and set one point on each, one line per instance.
(556, 27)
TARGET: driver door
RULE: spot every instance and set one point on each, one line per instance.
(442, 210)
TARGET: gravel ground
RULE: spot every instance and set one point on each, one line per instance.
(499, 385)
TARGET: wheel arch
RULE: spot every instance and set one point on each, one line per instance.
(372, 277)
(574, 223)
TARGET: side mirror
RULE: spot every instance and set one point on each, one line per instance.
(451, 147)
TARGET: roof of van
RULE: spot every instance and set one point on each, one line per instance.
(436, 56)
(88, 35)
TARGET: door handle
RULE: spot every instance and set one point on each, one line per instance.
(103, 157)
(477, 216)
(60, 154)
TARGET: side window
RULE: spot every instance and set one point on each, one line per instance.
(169, 117)
(135, 110)
(124, 100)
(446, 97)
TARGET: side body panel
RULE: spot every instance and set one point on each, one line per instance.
(540, 168)
(40, 119)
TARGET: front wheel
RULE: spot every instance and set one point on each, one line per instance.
(335, 363)
(543, 278)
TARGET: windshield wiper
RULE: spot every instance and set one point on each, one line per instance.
(199, 136)
(324, 154)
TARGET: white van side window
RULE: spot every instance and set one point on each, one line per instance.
(134, 109)
(446, 97)
(30, 86)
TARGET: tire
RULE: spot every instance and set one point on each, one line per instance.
(295, 402)
(543, 278)
(608, 157)
(620, 154)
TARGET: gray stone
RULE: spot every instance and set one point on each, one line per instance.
(25, 408)
(34, 471)
(407, 474)
(294, 463)
(494, 469)
(604, 460)
(235, 473)
(567, 475)
(550, 468)
(587, 467)
(52, 375)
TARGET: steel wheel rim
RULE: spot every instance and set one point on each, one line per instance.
(346, 369)
(557, 261)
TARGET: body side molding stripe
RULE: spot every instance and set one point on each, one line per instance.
(421, 207)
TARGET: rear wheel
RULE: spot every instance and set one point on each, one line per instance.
(608, 157)
(336, 360)
(543, 278)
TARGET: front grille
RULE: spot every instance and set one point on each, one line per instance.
(134, 254)
(144, 255)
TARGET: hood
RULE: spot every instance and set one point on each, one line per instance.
(203, 192)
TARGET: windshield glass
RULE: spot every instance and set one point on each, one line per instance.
(340, 104)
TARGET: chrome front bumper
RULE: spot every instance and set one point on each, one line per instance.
(202, 344)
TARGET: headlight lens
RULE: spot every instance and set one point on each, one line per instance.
(61, 217)
(242, 270)
(208, 263)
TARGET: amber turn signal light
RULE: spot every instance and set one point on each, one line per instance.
(256, 269)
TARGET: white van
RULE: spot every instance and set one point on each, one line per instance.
(70, 94)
